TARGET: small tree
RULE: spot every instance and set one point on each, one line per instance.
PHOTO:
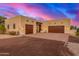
(73, 27)
(2, 19)
(77, 33)
(2, 29)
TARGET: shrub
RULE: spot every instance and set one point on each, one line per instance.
(73, 27)
(12, 33)
(77, 29)
(77, 33)
(2, 29)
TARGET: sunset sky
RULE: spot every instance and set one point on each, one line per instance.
(42, 11)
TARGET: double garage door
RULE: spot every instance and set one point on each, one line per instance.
(56, 29)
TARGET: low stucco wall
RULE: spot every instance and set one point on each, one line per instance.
(72, 32)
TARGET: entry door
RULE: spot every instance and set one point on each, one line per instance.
(56, 29)
(28, 29)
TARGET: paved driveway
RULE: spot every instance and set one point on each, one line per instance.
(45, 44)
(5, 36)
(51, 36)
(73, 45)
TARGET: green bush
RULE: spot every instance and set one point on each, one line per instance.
(12, 33)
(2, 29)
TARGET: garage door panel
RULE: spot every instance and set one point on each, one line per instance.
(28, 29)
(56, 29)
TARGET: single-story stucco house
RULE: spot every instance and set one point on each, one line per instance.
(26, 25)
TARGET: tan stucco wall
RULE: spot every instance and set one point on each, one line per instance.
(30, 22)
(64, 22)
(15, 20)
(20, 22)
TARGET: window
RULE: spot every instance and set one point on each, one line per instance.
(8, 26)
(13, 26)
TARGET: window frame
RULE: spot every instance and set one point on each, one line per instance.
(14, 26)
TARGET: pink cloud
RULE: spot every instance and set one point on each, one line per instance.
(75, 23)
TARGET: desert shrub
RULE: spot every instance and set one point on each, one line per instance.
(77, 33)
(73, 27)
(2, 29)
(12, 33)
(77, 29)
